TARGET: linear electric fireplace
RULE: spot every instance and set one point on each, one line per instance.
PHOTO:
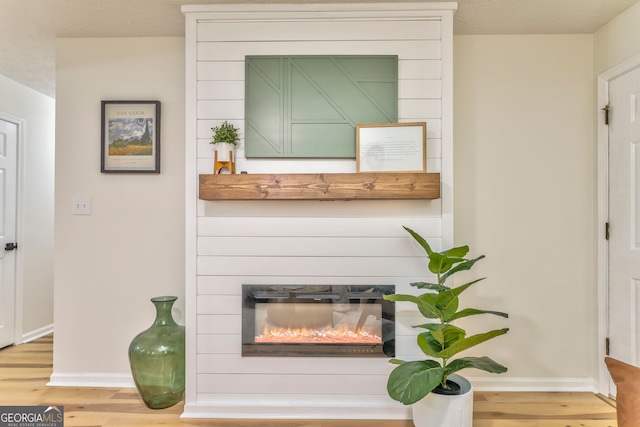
(318, 320)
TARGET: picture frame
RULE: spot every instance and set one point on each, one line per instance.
(130, 141)
(391, 147)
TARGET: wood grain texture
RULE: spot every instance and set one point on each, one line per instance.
(25, 370)
(333, 186)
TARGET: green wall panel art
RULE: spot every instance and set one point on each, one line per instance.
(309, 106)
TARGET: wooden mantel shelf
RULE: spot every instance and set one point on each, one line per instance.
(324, 186)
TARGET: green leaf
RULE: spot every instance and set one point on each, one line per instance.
(473, 311)
(470, 342)
(441, 336)
(446, 263)
(411, 381)
(456, 292)
(427, 306)
(401, 297)
(420, 240)
(460, 267)
(449, 309)
(425, 303)
(452, 334)
(431, 326)
(458, 252)
(447, 301)
(482, 363)
(435, 263)
(438, 336)
(431, 286)
(396, 361)
(429, 344)
(439, 263)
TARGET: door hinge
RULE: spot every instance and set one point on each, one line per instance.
(606, 346)
(10, 246)
(606, 110)
(606, 231)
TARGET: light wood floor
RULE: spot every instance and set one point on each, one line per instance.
(25, 369)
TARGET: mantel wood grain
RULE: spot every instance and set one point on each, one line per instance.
(328, 186)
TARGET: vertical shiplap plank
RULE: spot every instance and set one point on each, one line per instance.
(446, 162)
(191, 191)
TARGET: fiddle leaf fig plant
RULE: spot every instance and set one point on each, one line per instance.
(226, 132)
(411, 381)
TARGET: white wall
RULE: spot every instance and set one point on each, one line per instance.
(109, 264)
(524, 156)
(617, 41)
(37, 246)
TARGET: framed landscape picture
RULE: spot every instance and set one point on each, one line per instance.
(130, 139)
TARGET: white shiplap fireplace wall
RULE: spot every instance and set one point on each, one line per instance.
(304, 242)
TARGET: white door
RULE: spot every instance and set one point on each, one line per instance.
(8, 197)
(624, 218)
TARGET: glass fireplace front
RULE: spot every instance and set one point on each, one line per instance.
(318, 320)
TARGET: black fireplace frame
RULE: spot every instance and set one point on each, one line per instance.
(353, 294)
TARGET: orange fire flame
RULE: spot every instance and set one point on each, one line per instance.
(317, 336)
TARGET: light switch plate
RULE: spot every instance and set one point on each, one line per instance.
(81, 206)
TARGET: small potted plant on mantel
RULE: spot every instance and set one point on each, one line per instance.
(431, 385)
(225, 139)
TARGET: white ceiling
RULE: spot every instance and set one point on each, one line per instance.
(28, 27)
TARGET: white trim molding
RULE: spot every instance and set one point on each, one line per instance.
(19, 265)
(191, 214)
(515, 384)
(91, 380)
(37, 333)
(297, 407)
(362, 407)
(603, 216)
(295, 11)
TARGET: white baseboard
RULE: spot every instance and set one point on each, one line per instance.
(498, 383)
(372, 407)
(479, 383)
(357, 407)
(91, 380)
(40, 332)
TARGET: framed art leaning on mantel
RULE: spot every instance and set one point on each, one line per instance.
(130, 139)
(391, 147)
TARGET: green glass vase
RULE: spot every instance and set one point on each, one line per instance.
(156, 357)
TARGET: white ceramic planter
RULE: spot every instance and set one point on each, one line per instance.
(437, 410)
(226, 151)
